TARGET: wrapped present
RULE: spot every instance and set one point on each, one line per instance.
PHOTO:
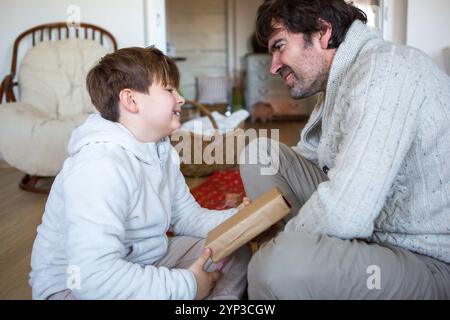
(248, 223)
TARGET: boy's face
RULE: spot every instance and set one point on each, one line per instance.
(160, 110)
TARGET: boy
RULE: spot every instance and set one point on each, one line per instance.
(103, 234)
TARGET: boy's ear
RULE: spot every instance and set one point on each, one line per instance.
(127, 100)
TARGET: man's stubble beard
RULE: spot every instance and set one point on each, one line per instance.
(300, 91)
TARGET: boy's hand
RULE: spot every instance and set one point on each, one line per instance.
(205, 280)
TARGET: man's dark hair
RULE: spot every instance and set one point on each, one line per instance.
(304, 16)
(129, 68)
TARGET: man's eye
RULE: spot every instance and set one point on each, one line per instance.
(278, 47)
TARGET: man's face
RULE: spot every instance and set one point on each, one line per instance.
(302, 65)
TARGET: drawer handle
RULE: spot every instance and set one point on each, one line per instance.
(263, 77)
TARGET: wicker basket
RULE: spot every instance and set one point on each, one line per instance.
(198, 144)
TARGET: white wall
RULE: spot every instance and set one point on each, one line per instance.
(429, 28)
(126, 20)
(241, 26)
(395, 20)
(155, 24)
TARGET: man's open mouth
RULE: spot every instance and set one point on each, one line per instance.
(285, 73)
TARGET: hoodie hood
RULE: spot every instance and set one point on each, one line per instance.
(98, 130)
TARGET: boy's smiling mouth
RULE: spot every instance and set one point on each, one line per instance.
(177, 112)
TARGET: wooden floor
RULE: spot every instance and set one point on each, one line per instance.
(21, 213)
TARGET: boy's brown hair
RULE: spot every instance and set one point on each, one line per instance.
(129, 68)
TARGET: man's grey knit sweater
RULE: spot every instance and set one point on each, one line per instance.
(383, 132)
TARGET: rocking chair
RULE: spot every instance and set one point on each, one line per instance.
(35, 129)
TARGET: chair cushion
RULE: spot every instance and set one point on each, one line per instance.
(33, 143)
(53, 76)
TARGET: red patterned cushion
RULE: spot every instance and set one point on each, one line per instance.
(211, 194)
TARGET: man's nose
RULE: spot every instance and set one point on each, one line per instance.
(275, 65)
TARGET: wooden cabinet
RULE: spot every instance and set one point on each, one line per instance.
(261, 86)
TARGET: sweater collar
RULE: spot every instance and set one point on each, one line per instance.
(356, 38)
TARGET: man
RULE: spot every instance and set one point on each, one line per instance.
(369, 182)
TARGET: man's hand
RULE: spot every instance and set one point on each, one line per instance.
(205, 280)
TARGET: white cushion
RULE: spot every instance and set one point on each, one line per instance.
(53, 76)
(33, 143)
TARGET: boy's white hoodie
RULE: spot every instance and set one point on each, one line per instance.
(106, 219)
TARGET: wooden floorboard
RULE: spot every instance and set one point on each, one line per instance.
(21, 213)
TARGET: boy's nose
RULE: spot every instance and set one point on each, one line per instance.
(180, 99)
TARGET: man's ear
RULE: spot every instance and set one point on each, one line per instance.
(325, 33)
(127, 100)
